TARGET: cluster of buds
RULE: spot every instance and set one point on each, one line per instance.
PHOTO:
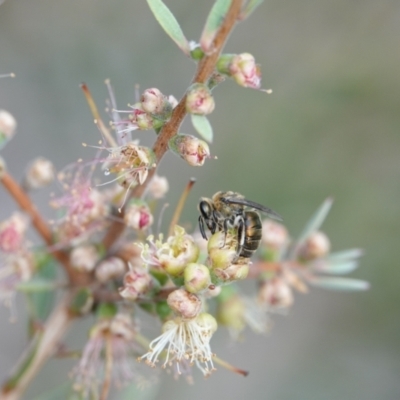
(151, 112)
(286, 264)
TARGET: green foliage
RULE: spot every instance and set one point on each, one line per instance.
(202, 126)
(169, 23)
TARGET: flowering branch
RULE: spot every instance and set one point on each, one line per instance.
(204, 70)
(173, 277)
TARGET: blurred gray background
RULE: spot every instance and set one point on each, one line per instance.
(331, 127)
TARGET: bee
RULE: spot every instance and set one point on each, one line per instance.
(226, 210)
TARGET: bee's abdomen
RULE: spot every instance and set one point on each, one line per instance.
(253, 233)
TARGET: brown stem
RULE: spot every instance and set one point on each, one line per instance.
(204, 70)
(41, 226)
(108, 372)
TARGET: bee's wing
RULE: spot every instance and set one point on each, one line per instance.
(253, 204)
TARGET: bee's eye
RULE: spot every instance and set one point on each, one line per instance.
(205, 209)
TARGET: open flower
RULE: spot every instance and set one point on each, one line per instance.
(130, 163)
(184, 341)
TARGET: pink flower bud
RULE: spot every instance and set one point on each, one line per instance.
(316, 246)
(185, 304)
(137, 281)
(276, 293)
(194, 151)
(242, 68)
(39, 174)
(152, 101)
(199, 100)
(138, 216)
(110, 268)
(12, 232)
(245, 71)
(274, 234)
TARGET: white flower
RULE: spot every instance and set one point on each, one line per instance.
(184, 341)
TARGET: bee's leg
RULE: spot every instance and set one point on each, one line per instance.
(201, 227)
(228, 223)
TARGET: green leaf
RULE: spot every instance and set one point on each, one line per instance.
(214, 20)
(169, 23)
(36, 285)
(345, 255)
(249, 8)
(335, 267)
(163, 310)
(202, 126)
(344, 284)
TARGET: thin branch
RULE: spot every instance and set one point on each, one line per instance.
(204, 70)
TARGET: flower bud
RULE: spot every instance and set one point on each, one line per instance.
(12, 232)
(235, 272)
(276, 293)
(317, 245)
(137, 281)
(138, 216)
(222, 250)
(158, 187)
(196, 277)
(199, 100)
(110, 268)
(152, 101)
(84, 258)
(143, 120)
(208, 322)
(274, 234)
(185, 304)
(40, 173)
(8, 125)
(230, 313)
(242, 68)
(193, 150)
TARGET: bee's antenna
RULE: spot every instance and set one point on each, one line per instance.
(179, 207)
